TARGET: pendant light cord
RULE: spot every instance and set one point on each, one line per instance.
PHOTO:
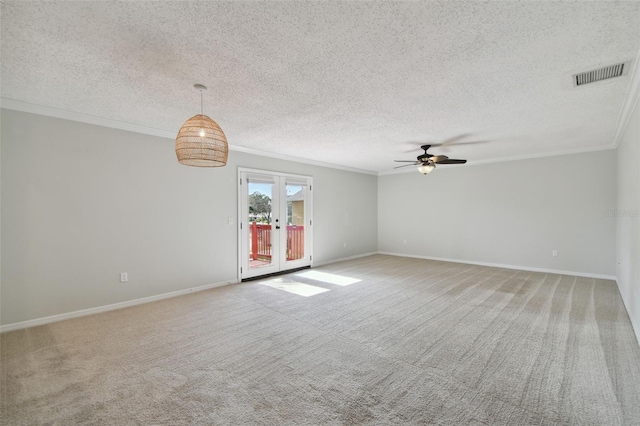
(201, 104)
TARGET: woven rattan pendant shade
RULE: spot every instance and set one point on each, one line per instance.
(201, 143)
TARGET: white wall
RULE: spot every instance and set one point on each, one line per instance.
(628, 222)
(512, 213)
(82, 203)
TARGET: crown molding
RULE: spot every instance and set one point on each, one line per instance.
(633, 94)
(301, 160)
(507, 159)
(16, 105)
(629, 105)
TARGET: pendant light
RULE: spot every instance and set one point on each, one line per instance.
(200, 141)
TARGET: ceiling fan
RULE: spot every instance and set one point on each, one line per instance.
(428, 161)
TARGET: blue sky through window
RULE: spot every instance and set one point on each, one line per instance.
(263, 188)
(266, 188)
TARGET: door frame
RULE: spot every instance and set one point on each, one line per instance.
(308, 212)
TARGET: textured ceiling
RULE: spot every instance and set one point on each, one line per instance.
(350, 83)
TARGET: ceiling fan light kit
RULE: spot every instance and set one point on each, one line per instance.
(426, 168)
(200, 141)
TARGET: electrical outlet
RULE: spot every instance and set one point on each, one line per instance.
(124, 277)
(404, 241)
(554, 253)
(344, 245)
(230, 220)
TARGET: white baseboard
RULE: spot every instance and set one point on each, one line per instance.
(342, 259)
(90, 311)
(500, 265)
(634, 322)
(96, 310)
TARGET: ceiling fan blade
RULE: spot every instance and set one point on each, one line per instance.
(438, 158)
(452, 140)
(460, 143)
(452, 161)
(417, 144)
(405, 161)
(405, 165)
(472, 142)
(445, 144)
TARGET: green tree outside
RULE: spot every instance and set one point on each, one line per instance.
(260, 207)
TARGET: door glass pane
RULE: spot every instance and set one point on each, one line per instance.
(260, 191)
(296, 196)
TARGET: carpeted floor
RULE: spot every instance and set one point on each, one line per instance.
(412, 342)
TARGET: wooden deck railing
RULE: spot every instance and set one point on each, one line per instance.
(295, 242)
(260, 242)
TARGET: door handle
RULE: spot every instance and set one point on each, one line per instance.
(277, 226)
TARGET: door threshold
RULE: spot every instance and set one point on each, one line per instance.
(274, 274)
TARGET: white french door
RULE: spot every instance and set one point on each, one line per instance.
(275, 217)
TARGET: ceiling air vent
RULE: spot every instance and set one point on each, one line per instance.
(600, 74)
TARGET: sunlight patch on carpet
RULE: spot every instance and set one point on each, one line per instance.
(294, 287)
(329, 278)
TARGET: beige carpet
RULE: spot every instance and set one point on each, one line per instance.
(412, 342)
